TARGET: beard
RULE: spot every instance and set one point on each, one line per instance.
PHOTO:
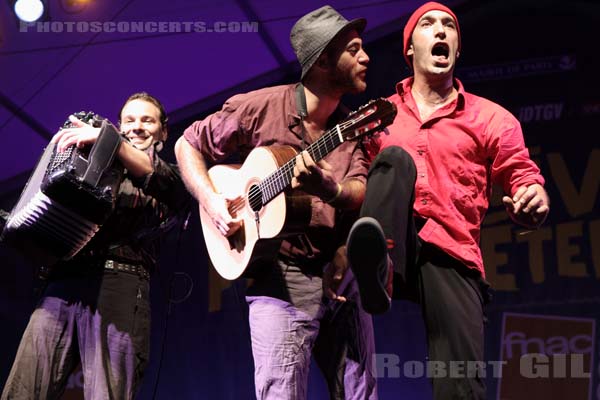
(346, 81)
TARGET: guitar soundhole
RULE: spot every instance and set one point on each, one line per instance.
(255, 198)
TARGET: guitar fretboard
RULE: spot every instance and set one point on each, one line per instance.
(279, 180)
(370, 118)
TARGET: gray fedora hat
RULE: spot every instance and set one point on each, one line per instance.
(312, 33)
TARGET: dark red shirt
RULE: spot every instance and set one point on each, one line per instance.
(459, 151)
(268, 117)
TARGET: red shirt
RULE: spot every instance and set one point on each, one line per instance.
(459, 151)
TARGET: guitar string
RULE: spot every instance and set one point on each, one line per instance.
(272, 185)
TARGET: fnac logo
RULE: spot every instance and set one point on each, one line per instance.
(548, 356)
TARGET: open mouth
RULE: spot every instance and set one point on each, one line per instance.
(440, 50)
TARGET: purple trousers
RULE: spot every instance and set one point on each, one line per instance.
(287, 330)
(102, 321)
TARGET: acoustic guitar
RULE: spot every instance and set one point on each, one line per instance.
(268, 210)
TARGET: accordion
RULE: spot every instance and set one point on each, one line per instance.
(67, 198)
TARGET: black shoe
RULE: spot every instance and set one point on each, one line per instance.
(368, 257)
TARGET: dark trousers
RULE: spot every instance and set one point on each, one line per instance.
(101, 320)
(452, 297)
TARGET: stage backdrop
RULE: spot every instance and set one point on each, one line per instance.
(541, 339)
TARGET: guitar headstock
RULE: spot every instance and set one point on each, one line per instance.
(368, 119)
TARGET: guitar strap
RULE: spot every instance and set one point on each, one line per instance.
(339, 114)
(301, 110)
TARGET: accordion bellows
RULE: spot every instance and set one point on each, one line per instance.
(66, 200)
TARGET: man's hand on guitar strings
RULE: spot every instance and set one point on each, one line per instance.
(81, 134)
(314, 178)
(223, 213)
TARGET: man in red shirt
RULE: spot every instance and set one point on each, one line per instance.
(428, 191)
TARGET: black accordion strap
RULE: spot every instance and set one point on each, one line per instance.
(103, 153)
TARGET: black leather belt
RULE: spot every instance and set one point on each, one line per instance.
(139, 270)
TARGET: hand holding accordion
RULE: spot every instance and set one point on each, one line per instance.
(69, 195)
(78, 133)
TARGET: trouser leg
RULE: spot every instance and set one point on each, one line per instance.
(47, 353)
(282, 340)
(114, 337)
(389, 199)
(345, 347)
(452, 302)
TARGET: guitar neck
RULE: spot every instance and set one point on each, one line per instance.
(279, 180)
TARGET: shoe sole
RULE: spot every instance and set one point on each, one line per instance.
(367, 249)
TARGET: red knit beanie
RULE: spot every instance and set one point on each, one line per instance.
(414, 18)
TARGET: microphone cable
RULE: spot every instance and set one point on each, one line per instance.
(171, 301)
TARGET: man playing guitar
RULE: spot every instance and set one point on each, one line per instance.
(287, 306)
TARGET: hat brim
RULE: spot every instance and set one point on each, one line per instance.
(358, 24)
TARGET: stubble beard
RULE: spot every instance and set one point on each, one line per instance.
(346, 82)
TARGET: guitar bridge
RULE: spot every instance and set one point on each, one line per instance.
(257, 221)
